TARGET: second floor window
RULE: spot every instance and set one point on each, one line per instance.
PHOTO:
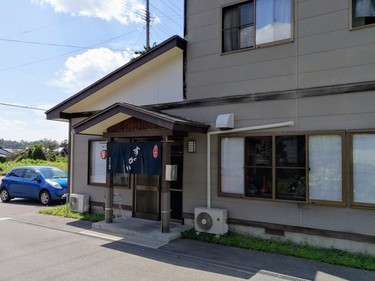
(363, 12)
(256, 22)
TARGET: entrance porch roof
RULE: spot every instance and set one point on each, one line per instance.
(119, 112)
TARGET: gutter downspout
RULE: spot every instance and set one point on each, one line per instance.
(71, 160)
(252, 128)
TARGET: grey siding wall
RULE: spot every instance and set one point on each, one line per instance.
(335, 112)
(324, 52)
(194, 176)
(80, 173)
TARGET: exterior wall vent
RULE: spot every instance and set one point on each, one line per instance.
(272, 231)
(225, 121)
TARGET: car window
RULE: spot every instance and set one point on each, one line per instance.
(50, 173)
(17, 173)
(46, 172)
(59, 173)
(31, 174)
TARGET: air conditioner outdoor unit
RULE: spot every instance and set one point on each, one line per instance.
(79, 203)
(211, 220)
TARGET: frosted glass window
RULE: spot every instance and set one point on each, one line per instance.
(98, 161)
(232, 165)
(98, 166)
(325, 164)
(363, 168)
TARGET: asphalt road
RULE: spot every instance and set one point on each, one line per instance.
(33, 252)
(42, 247)
(33, 249)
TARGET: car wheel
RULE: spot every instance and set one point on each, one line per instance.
(45, 197)
(4, 195)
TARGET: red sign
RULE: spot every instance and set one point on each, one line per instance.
(155, 151)
(103, 154)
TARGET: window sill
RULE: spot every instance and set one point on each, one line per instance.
(260, 46)
(361, 27)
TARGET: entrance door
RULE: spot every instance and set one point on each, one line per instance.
(147, 197)
(177, 152)
(147, 190)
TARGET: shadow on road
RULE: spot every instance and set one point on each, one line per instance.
(240, 263)
(182, 260)
(81, 224)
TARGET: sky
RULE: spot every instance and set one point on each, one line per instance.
(52, 49)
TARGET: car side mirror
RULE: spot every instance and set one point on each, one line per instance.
(37, 179)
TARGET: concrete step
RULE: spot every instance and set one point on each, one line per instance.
(140, 229)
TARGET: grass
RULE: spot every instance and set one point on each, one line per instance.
(64, 211)
(331, 256)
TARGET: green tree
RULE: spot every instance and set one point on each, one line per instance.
(38, 153)
(64, 144)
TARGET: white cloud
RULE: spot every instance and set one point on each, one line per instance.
(84, 69)
(29, 127)
(123, 11)
(9, 125)
(23, 123)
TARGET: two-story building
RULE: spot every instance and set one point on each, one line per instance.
(266, 108)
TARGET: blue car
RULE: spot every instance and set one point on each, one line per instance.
(43, 183)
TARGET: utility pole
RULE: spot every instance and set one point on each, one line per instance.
(147, 24)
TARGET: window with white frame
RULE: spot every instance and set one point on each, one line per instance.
(363, 12)
(326, 168)
(98, 162)
(305, 167)
(363, 167)
(232, 174)
(253, 23)
(98, 165)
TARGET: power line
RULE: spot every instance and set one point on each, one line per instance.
(42, 27)
(140, 36)
(140, 12)
(56, 45)
(68, 53)
(164, 28)
(176, 6)
(40, 43)
(22, 106)
(179, 12)
(155, 33)
(161, 12)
